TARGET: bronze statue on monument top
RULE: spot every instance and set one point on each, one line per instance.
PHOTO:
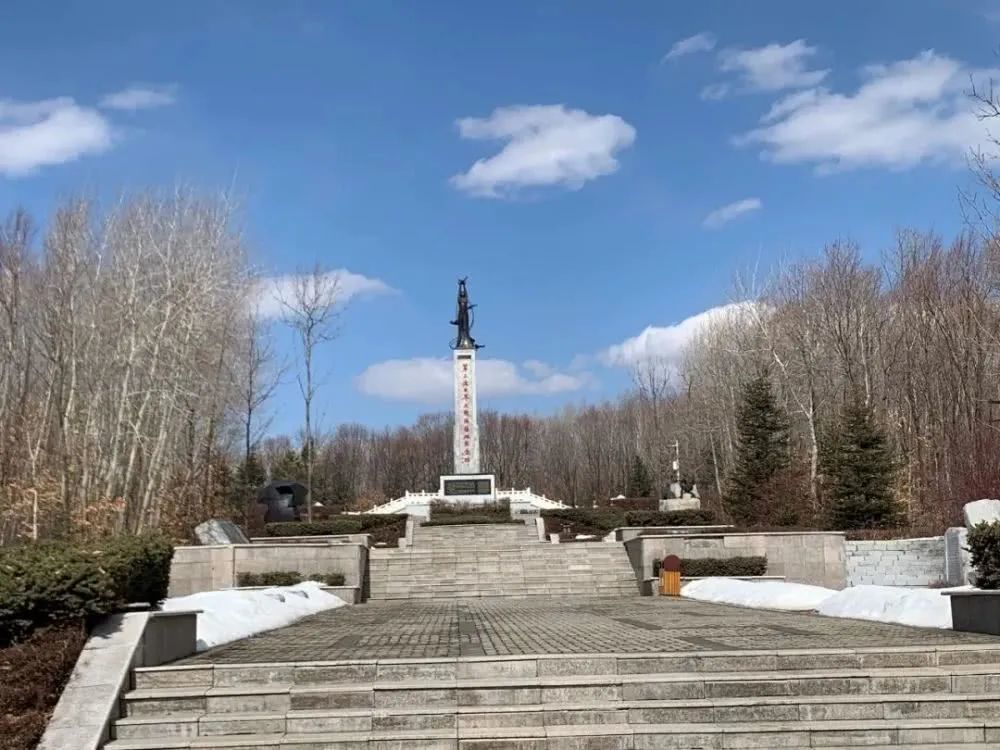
(463, 320)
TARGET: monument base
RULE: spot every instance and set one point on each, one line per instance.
(468, 489)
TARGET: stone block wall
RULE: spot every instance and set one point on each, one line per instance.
(896, 562)
(216, 567)
(803, 557)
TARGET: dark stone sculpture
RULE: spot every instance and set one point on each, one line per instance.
(463, 320)
(282, 500)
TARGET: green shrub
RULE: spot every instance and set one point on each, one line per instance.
(579, 521)
(330, 579)
(288, 578)
(599, 522)
(384, 527)
(44, 584)
(634, 503)
(668, 518)
(270, 578)
(984, 548)
(499, 507)
(142, 565)
(445, 519)
(724, 566)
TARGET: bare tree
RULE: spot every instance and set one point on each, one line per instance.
(311, 310)
(258, 375)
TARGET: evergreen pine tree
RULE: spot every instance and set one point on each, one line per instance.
(860, 469)
(761, 453)
(289, 466)
(250, 475)
(640, 483)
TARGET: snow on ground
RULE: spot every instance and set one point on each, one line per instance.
(765, 594)
(925, 608)
(233, 614)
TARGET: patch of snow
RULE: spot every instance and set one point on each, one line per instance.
(799, 597)
(233, 614)
(925, 608)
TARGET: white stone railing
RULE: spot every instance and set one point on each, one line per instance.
(525, 495)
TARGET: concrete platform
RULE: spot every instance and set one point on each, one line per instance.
(577, 625)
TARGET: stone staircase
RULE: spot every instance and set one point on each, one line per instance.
(491, 560)
(919, 698)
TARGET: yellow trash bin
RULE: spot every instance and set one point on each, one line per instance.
(670, 576)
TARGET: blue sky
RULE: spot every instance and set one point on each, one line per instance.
(597, 169)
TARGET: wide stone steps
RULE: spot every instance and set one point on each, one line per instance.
(909, 697)
(496, 560)
(721, 711)
(532, 691)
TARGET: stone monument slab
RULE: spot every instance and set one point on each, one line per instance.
(217, 531)
(981, 510)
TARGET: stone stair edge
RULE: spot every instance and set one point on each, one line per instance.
(593, 705)
(634, 656)
(569, 681)
(809, 728)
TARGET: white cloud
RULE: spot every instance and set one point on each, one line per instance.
(46, 132)
(702, 42)
(272, 289)
(141, 97)
(664, 342)
(902, 114)
(773, 67)
(429, 380)
(715, 91)
(546, 145)
(731, 211)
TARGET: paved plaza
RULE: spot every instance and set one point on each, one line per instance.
(509, 627)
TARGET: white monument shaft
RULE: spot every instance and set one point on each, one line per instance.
(467, 486)
(466, 440)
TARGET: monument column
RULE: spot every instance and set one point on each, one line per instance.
(466, 442)
(466, 446)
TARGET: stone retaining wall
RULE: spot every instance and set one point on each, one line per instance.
(214, 567)
(815, 557)
(896, 562)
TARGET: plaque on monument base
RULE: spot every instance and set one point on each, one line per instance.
(471, 489)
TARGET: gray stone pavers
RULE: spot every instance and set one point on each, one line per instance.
(511, 627)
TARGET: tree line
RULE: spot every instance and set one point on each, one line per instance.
(838, 393)
(137, 375)
(136, 364)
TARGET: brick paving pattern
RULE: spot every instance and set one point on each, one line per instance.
(508, 627)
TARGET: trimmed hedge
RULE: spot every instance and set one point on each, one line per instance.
(580, 521)
(45, 584)
(287, 578)
(984, 549)
(271, 578)
(705, 567)
(599, 522)
(724, 566)
(384, 527)
(669, 518)
(499, 507)
(445, 519)
(634, 503)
